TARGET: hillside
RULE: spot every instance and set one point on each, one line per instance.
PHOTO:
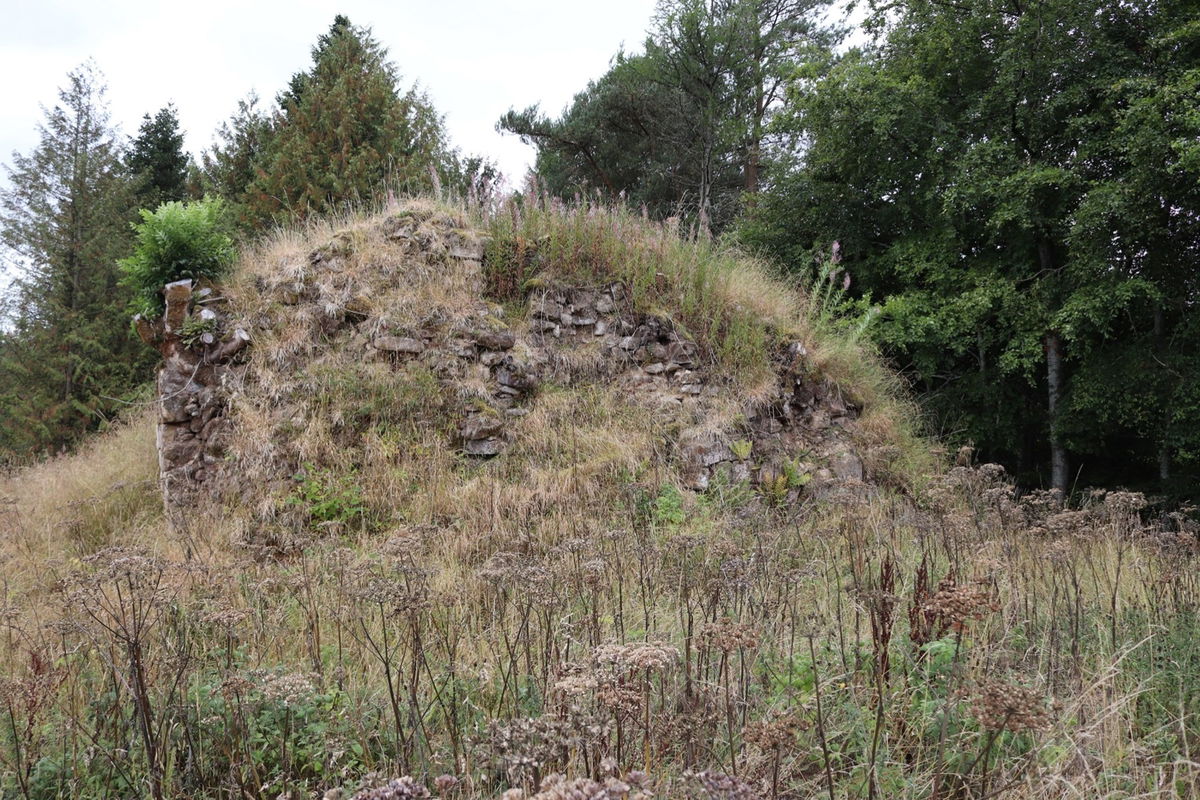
(550, 502)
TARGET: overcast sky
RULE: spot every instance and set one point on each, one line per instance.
(475, 58)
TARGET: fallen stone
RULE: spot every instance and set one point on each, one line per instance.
(546, 308)
(492, 339)
(516, 378)
(681, 353)
(461, 348)
(705, 451)
(481, 426)
(847, 466)
(399, 344)
(818, 420)
(483, 447)
(466, 248)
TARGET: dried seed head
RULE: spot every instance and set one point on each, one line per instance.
(557, 787)
(719, 786)
(726, 635)
(1005, 707)
(1124, 502)
(576, 685)
(637, 656)
(288, 688)
(224, 615)
(399, 789)
(777, 731)
(959, 603)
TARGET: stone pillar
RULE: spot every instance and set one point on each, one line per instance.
(193, 393)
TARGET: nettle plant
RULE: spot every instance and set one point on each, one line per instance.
(177, 241)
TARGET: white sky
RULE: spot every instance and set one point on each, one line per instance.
(475, 58)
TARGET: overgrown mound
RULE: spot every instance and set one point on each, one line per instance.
(501, 374)
(550, 504)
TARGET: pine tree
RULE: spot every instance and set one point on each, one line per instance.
(68, 352)
(686, 124)
(157, 159)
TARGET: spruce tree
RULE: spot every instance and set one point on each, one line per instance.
(156, 158)
(67, 354)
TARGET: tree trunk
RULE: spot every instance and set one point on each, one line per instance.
(1164, 450)
(1054, 377)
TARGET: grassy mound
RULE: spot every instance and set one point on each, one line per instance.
(369, 601)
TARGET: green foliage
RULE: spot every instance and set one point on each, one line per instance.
(345, 132)
(1005, 184)
(668, 507)
(194, 327)
(67, 355)
(178, 241)
(681, 129)
(330, 496)
(234, 161)
(157, 160)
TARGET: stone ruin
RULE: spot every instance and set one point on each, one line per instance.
(655, 365)
(199, 360)
(569, 334)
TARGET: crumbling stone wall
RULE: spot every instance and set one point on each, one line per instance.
(200, 359)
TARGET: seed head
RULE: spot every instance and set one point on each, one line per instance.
(726, 635)
(1005, 707)
(399, 789)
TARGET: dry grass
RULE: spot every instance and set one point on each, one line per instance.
(71, 506)
(564, 607)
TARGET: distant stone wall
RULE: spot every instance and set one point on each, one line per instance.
(199, 363)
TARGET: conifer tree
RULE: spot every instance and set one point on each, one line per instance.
(157, 160)
(233, 163)
(344, 131)
(67, 353)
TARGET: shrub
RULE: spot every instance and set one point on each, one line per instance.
(179, 240)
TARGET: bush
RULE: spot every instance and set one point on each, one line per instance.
(179, 240)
